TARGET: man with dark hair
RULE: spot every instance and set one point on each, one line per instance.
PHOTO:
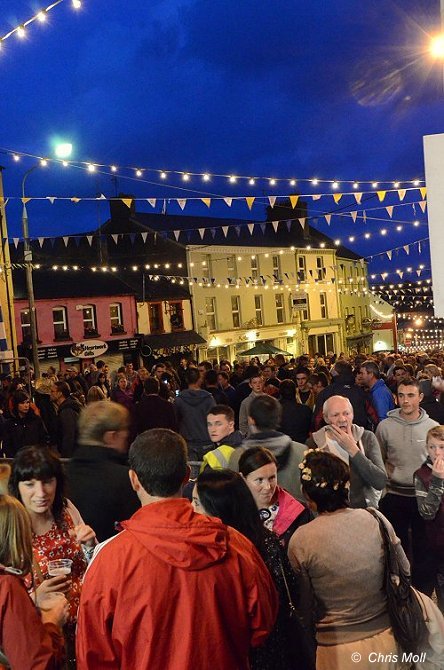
(264, 417)
(382, 398)
(256, 385)
(152, 411)
(192, 407)
(210, 385)
(68, 411)
(148, 590)
(223, 379)
(223, 436)
(295, 418)
(304, 394)
(343, 383)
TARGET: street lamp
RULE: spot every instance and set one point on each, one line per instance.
(27, 255)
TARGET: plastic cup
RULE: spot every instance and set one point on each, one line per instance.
(61, 566)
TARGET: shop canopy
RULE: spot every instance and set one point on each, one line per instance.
(264, 349)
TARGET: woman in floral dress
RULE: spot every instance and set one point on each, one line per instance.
(58, 530)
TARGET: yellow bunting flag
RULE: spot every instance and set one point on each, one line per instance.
(249, 202)
(294, 200)
(358, 197)
(401, 193)
(206, 201)
(75, 199)
(25, 200)
(337, 197)
(423, 192)
(127, 202)
(381, 195)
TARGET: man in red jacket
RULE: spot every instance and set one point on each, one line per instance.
(175, 590)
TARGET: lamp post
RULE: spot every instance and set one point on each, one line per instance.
(27, 256)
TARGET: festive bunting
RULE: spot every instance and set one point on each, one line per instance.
(423, 205)
(207, 201)
(294, 200)
(401, 193)
(181, 202)
(151, 201)
(228, 201)
(337, 197)
(354, 216)
(390, 211)
(249, 202)
(250, 227)
(328, 218)
(272, 200)
(127, 202)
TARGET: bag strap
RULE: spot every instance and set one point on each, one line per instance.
(391, 562)
(290, 601)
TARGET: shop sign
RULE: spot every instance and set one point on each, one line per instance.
(89, 349)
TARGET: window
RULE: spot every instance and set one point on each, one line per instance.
(155, 315)
(176, 316)
(115, 315)
(258, 310)
(320, 267)
(206, 269)
(60, 323)
(235, 310)
(323, 299)
(231, 266)
(306, 312)
(25, 321)
(254, 268)
(89, 321)
(210, 311)
(280, 311)
(302, 268)
(277, 267)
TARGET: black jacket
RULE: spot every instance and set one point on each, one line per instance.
(99, 486)
(23, 432)
(364, 414)
(67, 420)
(295, 420)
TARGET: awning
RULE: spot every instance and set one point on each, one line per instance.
(359, 338)
(171, 340)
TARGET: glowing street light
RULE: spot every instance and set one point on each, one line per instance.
(436, 47)
(63, 150)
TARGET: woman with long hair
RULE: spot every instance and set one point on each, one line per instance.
(58, 530)
(339, 559)
(22, 426)
(28, 639)
(224, 494)
(279, 511)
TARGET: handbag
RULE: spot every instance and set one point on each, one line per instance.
(404, 609)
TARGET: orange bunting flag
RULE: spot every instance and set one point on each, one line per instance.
(337, 197)
(358, 197)
(249, 202)
(328, 218)
(423, 192)
(25, 200)
(294, 200)
(401, 193)
(389, 211)
(206, 201)
(381, 195)
(423, 205)
(78, 200)
(354, 216)
(127, 202)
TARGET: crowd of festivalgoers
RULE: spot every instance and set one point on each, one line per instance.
(234, 533)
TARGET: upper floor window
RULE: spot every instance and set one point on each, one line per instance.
(89, 321)
(155, 316)
(320, 268)
(210, 311)
(324, 310)
(280, 310)
(235, 311)
(277, 267)
(60, 323)
(231, 266)
(25, 321)
(176, 316)
(115, 316)
(254, 268)
(258, 310)
(206, 268)
(302, 268)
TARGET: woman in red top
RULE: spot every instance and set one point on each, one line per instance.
(58, 531)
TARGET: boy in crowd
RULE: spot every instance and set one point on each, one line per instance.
(429, 489)
(220, 424)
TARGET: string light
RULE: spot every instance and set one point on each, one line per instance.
(40, 17)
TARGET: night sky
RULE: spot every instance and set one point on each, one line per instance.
(297, 89)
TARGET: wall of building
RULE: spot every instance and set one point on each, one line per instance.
(143, 315)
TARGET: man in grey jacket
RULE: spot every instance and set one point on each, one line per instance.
(402, 436)
(356, 446)
(192, 407)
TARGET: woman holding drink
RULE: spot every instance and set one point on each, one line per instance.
(58, 530)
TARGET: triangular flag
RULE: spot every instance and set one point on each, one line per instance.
(181, 202)
(51, 199)
(213, 232)
(272, 200)
(201, 233)
(152, 201)
(75, 199)
(127, 202)
(90, 239)
(144, 236)
(389, 255)
(41, 240)
(228, 201)
(238, 230)
(65, 241)
(263, 227)
(25, 200)
(101, 197)
(337, 197)
(249, 202)
(206, 201)
(423, 192)
(294, 200)
(115, 238)
(316, 197)
(176, 234)
(401, 193)
(132, 237)
(389, 210)
(423, 205)
(250, 227)
(381, 195)
(354, 216)
(358, 197)
(302, 222)
(418, 272)
(225, 230)
(289, 225)
(401, 274)
(406, 249)
(328, 218)
(16, 241)
(275, 225)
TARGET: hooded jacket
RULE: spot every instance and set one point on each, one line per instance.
(403, 446)
(23, 431)
(287, 453)
(67, 420)
(367, 472)
(192, 406)
(175, 590)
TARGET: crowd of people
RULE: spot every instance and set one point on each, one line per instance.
(215, 514)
